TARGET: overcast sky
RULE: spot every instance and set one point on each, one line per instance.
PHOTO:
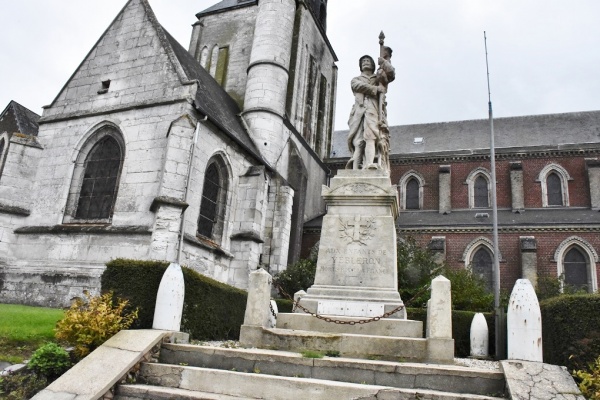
(544, 54)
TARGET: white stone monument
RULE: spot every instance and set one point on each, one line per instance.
(356, 272)
(169, 300)
(524, 323)
(480, 340)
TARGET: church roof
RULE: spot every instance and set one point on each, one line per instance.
(226, 5)
(550, 216)
(17, 119)
(467, 136)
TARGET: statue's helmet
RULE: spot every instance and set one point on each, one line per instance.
(360, 60)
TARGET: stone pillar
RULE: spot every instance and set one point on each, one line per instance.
(445, 191)
(529, 259)
(516, 186)
(524, 323)
(437, 246)
(268, 74)
(249, 224)
(440, 345)
(167, 224)
(593, 168)
(257, 308)
(281, 200)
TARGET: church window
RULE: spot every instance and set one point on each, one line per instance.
(576, 269)
(2, 145)
(212, 63)
(481, 196)
(99, 186)
(478, 183)
(222, 63)
(576, 262)
(204, 58)
(323, 14)
(482, 266)
(554, 181)
(321, 118)
(104, 87)
(412, 194)
(554, 185)
(212, 206)
(411, 190)
(307, 132)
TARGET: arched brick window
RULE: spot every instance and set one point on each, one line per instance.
(554, 187)
(482, 266)
(95, 183)
(214, 195)
(481, 195)
(575, 265)
(412, 194)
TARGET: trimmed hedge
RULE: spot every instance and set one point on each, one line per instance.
(571, 330)
(461, 328)
(211, 311)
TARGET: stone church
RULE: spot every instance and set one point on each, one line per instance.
(224, 142)
(230, 141)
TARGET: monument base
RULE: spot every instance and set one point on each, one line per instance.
(356, 272)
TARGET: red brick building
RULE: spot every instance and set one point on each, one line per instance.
(548, 194)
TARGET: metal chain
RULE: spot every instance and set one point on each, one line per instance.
(333, 320)
(272, 310)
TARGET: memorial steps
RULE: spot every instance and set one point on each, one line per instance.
(201, 372)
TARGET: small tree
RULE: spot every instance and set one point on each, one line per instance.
(298, 276)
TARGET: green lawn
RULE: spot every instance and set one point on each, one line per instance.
(24, 328)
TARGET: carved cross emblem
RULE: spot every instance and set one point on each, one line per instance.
(357, 230)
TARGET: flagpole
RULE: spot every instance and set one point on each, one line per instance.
(497, 313)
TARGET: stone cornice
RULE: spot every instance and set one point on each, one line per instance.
(85, 229)
(207, 245)
(6, 209)
(166, 200)
(486, 229)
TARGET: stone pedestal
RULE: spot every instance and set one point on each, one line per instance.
(357, 270)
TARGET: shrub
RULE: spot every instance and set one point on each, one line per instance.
(88, 324)
(19, 386)
(298, 276)
(50, 360)
(468, 291)
(571, 330)
(589, 380)
(211, 311)
(416, 269)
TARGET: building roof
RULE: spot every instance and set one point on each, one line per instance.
(17, 119)
(460, 136)
(577, 217)
(226, 5)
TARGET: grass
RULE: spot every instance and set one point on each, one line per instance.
(311, 354)
(23, 329)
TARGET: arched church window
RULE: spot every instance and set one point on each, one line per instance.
(482, 266)
(212, 64)
(412, 194)
(204, 58)
(2, 145)
(99, 185)
(481, 195)
(554, 189)
(212, 206)
(575, 267)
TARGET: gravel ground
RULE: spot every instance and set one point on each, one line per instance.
(463, 362)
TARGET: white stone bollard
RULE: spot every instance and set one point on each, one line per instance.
(169, 300)
(297, 297)
(440, 345)
(273, 312)
(480, 340)
(259, 295)
(524, 323)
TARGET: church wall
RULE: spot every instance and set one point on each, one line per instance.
(233, 29)
(311, 61)
(20, 163)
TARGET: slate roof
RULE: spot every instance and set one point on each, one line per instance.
(506, 218)
(17, 119)
(226, 5)
(469, 136)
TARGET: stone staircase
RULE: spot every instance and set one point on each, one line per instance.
(201, 372)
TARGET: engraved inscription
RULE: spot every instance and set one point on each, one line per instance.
(354, 261)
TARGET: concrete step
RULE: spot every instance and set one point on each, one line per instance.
(147, 392)
(261, 386)
(347, 345)
(448, 378)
